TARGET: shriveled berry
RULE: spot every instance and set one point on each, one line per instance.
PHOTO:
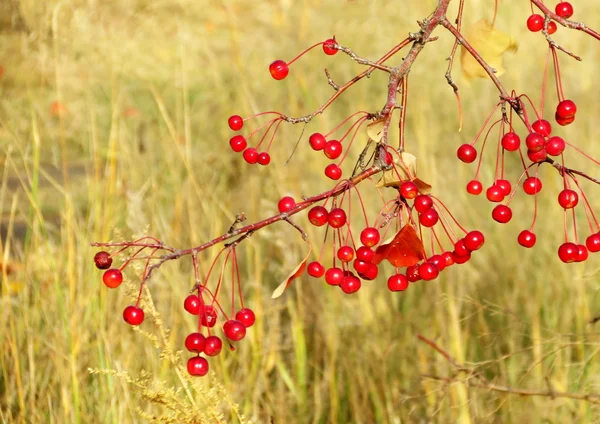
(370, 236)
(317, 216)
(474, 187)
(236, 122)
(466, 153)
(397, 282)
(568, 198)
(197, 366)
(213, 346)
(333, 171)
(102, 260)
(317, 141)
(279, 69)
(112, 278)
(511, 141)
(526, 239)
(133, 315)
(195, 342)
(567, 252)
(246, 316)
(337, 218)
(285, 204)
(315, 269)
(238, 143)
(502, 214)
(535, 22)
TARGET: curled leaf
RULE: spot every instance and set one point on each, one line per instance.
(405, 249)
(405, 169)
(297, 272)
(491, 44)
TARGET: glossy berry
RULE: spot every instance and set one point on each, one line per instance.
(365, 253)
(213, 346)
(564, 121)
(317, 216)
(334, 276)
(133, 315)
(350, 284)
(246, 316)
(112, 278)
(505, 186)
(250, 155)
(409, 190)
(462, 259)
(264, 158)
(564, 9)
(333, 149)
(474, 240)
(337, 218)
(370, 236)
(192, 304)
(566, 109)
(328, 47)
(460, 248)
(552, 27)
(466, 153)
(495, 193)
(582, 253)
(397, 282)
(568, 199)
(532, 185)
(195, 342)
(429, 218)
(317, 141)
(279, 69)
(511, 141)
(448, 258)
(555, 146)
(526, 239)
(438, 261)
(543, 127)
(535, 141)
(593, 242)
(361, 266)
(285, 204)
(502, 214)
(235, 122)
(234, 330)
(428, 271)
(567, 252)
(474, 187)
(209, 316)
(535, 22)
(333, 171)
(422, 203)
(371, 272)
(315, 269)
(197, 366)
(537, 156)
(102, 260)
(345, 253)
(412, 273)
(238, 143)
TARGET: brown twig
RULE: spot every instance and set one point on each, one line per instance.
(580, 26)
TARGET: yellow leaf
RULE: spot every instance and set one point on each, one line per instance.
(375, 130)
(491, 44)
(297, 272)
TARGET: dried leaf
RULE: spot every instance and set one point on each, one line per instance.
(297, 272)
(406, 170)
(375, 130)
(405, 249)
(491, 44)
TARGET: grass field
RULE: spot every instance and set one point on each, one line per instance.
(113, 125)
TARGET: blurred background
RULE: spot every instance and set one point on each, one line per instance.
(113, 124)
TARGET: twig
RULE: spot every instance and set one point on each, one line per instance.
(330, 81)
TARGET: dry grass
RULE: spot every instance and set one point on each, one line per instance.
(141, 146)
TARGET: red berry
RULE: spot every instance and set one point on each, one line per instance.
(532, 185)
(285, 204)
(460, 248)
(429, 218)
(133, 315)
(328, 46)
(246, 316)
(315, 269)
(397, 282)
(213, 346)
(566, 109)
(593, 242)
(234, 330)
(502, 214)
(317, 216)
(370, 236)
(505, 186)
(209, 316)
(462, 259)
(333, 149)
(535, 22)
(197, 366)
(438, 261)
(552, 27)
(370, 273)
(235, 122)
(279, 69)
(195, 342)
(334, 276)
(345, 253)
(467, 153)
(412, 273)
(495, 193)
(564, 9)
(568, 199)
(422, 203)
(264, 158)
(543, 127)
(567, 252)
(102, 260)
(474, 187)
(555, 146)
(192, 304)
(428, 271)
(365, 253)
(474, 240)
(409, 190)
(333, 171)
(564, 121)
(361, 266)
(250, 155)
(350, 284)
(511, 141)
(112, 278)
(238, 143)
(526, 239)
(336, 218)
(317, 141)
(448, 258)
(536, 157)
(535, 141)
(582, 253)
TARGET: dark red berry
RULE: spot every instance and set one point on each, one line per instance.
(474, 240)
(209, 316)
(543, 127)
(264, 158)
(235, 122)
(350, 284)
(285, 204)
(412, 273)
(133, 315)
(422, 203)
(526, 239)
(593, 242)
(195, 342)
(555, 146)
(112, 278)
(192, 304)
(495, 193)
(564, 9)
(197, 366)
(234, 330)
(279, 69)
(333, 171)
(317, 141)
(250, 155)
(370, 236)
(566, 109)
(246, 316)
(397, 282)
(103, 260)
(535, 142)
(567, 252)
(336, 218)
(333, 149)
(502, 214)
(474, 187)
(511, 141)
(315, 269)
(535, 22)
(467, 153)
(409, 190)
(213, 346)
(334, 276)
(328, 46)
(238, 143)
(429, 218)
(317, 216)
(532, 185)
(564, 121)
(568, 199)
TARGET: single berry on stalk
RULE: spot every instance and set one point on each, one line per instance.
(234, 330)
(279, 69)
(328, 46)
(102, 260)
(246, 316)
(195, 342)
(535, 22)
(133, 315)
(197, 366)
(235, 122)
(112, 278)
(466, 153)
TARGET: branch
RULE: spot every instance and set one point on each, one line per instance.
(580, 26)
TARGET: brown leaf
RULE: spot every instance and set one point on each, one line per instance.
(297, 272)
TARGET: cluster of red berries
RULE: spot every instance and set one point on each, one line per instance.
(280, 69)
(535, 22)
(239, 144)
(332, 150)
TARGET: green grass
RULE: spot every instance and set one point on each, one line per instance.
(142, 148)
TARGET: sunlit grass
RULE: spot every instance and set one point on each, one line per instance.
(142, 147)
